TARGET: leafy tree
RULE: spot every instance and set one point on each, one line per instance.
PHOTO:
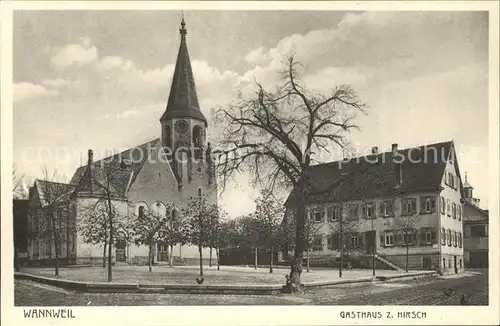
(94, 228)
(277, 136)
(174, 232)
(269, 213)
(200, 215)
(148, 227)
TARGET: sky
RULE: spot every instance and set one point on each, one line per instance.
(101, 79)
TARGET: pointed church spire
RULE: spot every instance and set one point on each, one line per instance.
(183, 100)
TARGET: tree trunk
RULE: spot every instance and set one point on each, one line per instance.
(218, 259)
(104, 253)
(210, 260)
(201, 259)
(56, 245)
(271, 260)
(307, 260)
(341, 222)
(296, 267)
(150, 255)
(110, 244)
(407, 254)
(256, 255)
(171, 256)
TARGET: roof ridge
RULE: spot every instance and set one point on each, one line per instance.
(381, 153)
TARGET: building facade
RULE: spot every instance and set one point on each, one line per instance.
(389, 207)
(476, 221)
(161, 173)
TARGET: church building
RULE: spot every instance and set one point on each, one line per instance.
(164, 172)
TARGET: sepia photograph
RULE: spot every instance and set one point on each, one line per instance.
(195, 157)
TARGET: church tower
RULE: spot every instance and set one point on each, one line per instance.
(183, 126)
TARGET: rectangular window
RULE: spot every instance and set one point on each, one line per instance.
(459, 212)
(477, 231)
(455, 239)
(448, 207)
(427, 205)
(443, 237)
(368, 210)
(389, 239)
(460, 239)
(428, 237)
(386, 208)
(354, 240)
(451, 180)
(318, 215)
(409, 206)
(353, 211)
(318, 244)
(454, 210)
(409, 237)
(448, 236)
(334, 241)
(443, 205)
(329, 213)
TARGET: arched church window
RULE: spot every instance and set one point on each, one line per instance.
(197, 136)
(140, 209)
(159, 208)
(168, 137)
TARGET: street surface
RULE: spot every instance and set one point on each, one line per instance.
(468, 290)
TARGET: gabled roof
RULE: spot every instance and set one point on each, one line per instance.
(183, 100)
(121, 178)
(481, 214)
(53, 193)
(362, 178)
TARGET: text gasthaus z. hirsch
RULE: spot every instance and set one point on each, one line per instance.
(379, 314)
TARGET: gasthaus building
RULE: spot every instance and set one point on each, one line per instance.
(389, 204)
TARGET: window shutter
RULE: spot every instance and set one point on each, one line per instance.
(422, 236)
(362, 237)
(335, 241)
(381, 208)
(414, 205)
(422, 203)
(433, 204)
(323, 216)
(382, 242)
(398, 238)
(433, 236)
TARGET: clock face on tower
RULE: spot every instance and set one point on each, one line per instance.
(181, 126)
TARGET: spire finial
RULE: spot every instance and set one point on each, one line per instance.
(183, 30)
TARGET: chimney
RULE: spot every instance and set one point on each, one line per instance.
(90, 158)
(374, 150)
(394, 147)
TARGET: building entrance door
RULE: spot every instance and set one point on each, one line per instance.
(162, 253)
(121, 245)
(426, 263)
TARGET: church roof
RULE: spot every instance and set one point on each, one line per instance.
(362, 178)
(120, 169)
(183, 100)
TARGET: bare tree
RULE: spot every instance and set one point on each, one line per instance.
(276, 136)
(20, 184)
(404, 223)
(54, 197)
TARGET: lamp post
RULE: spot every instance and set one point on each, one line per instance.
(374, 243)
